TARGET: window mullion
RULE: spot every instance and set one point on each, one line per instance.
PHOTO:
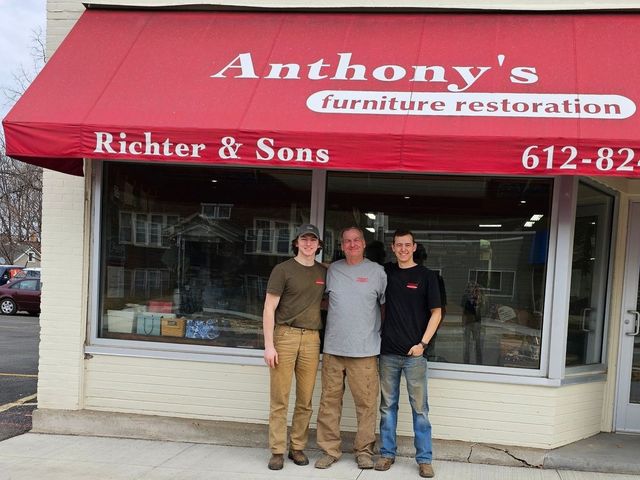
(568, 189)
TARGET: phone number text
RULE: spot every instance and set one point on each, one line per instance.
(569, 158)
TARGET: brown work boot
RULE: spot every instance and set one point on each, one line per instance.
(384, 463)
(325, 461)
(426, 470)
(276, 462)
(364, 461)
(298, 457)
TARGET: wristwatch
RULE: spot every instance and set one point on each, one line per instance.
(424, 345)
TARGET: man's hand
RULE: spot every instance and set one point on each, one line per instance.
(416, 350)
(271, 357)
(268, 326)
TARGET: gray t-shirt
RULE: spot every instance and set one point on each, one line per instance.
(353, 321)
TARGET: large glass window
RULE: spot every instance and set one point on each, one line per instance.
(486, 236)
(589, 276)
(186, 252)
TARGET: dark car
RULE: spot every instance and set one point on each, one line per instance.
(20, 294)
(7, 272)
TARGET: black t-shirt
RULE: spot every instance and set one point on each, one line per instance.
(411, 294)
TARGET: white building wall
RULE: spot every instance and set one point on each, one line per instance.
(533, 416)
(61, 16)
(62, 321)
(577, 413)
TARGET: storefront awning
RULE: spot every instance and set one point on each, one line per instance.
(542, 94)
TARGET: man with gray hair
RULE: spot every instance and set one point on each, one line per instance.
(355, 287)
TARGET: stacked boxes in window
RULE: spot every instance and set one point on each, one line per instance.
(149, 323)
(120, 321)
(160, 306)
(170, 326)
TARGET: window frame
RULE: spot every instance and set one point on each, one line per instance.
(553, 339)
(575, 374)
(142, 349)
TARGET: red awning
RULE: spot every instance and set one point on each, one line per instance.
(542, 94)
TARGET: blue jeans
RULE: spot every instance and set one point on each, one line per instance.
(415, 374)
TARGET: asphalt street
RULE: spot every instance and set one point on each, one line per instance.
(19, 337)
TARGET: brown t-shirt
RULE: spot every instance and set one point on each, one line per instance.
(300, 289)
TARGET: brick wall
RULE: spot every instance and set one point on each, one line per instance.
(62, 319)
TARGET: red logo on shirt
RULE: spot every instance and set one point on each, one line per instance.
(412, 285)
(362, 279)
(319, 282)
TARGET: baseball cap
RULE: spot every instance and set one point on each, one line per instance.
(307, 228)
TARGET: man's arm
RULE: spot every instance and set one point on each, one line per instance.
(268, 324)
(432, 326)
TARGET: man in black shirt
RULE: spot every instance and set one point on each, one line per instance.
(412, 315)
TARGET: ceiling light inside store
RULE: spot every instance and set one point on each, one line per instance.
(371, 229)
(528, 224)
(406, 197)
(214, 181)
(370, 215)
(536, 217)
(490, 225)
(523, 201)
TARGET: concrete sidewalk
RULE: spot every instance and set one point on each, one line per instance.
(605, 452)
(64, 457)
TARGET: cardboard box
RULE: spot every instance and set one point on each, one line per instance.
(172, 327)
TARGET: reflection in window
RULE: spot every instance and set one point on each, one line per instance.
(496, 282)
(215, 210)
(589, 273)
(488, 238)
(27, 285)
(186, 259)
(141, 228)
(126, 230)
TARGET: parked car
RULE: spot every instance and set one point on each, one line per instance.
(28, 272)
(7, 272)
(20, 294)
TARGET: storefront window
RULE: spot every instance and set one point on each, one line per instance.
(186, 252)
(589, 274)
(486, 236)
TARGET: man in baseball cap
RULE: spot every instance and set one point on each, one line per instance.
(307, 228)
(291, 325)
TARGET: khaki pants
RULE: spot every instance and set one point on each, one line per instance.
(298, 353)
(364, 383)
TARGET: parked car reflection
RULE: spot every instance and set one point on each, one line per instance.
(20, 295)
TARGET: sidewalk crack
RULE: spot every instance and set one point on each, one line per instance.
(521, 460)
(470, 453)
